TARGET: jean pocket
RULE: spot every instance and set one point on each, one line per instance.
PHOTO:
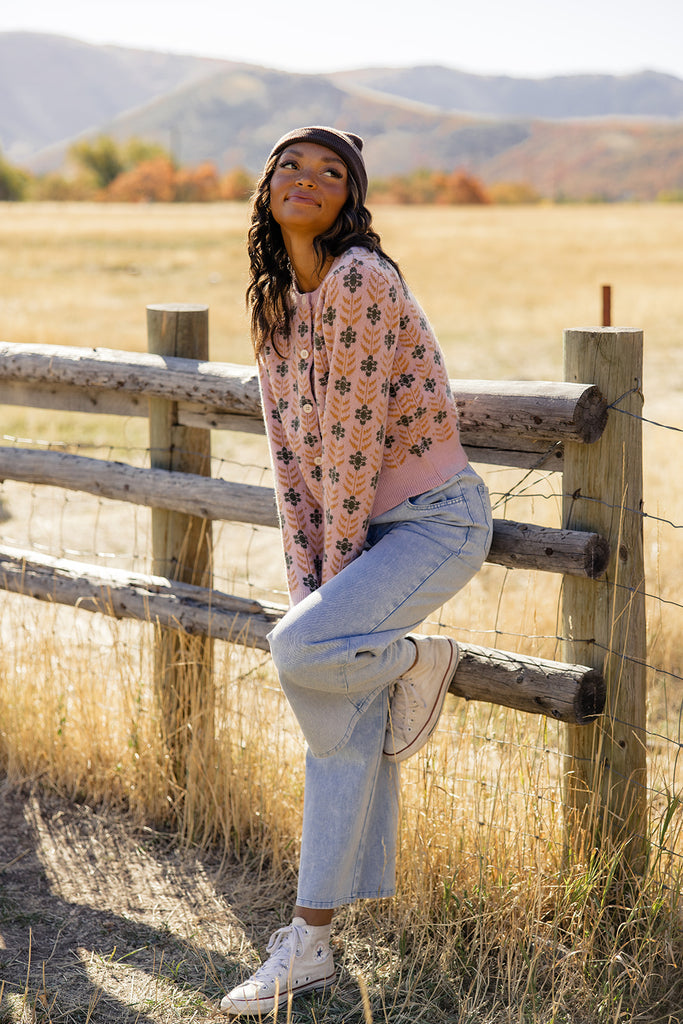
(450, 493)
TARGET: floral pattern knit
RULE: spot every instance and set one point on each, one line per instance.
(359, 414)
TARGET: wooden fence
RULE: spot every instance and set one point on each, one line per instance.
(569, 427)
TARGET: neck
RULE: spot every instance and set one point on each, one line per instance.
(305, 262)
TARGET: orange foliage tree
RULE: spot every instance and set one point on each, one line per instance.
(458, 187)
(237, 184)
(424, 186)
(159, 180)
(152, 181)
(198, 184)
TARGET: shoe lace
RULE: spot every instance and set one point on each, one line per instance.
(282, 947)
(404, 703)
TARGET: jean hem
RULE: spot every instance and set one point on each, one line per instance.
(340, 901)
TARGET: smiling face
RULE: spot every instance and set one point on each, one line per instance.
(307, 190)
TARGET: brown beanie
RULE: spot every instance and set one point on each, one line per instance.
(344, 144)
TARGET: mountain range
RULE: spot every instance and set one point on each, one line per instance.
(576, 136)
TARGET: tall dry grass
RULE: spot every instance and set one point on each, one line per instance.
(492, 922)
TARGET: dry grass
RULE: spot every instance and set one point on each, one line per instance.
(490, 925)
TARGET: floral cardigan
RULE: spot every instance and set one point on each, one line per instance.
(359, 414)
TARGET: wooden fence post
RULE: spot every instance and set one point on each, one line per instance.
(604, 620)
(182, 550)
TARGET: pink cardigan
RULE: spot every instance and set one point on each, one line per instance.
(359, 414)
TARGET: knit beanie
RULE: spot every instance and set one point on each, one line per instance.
(344, 144)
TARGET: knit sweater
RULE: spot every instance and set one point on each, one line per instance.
(359, 414)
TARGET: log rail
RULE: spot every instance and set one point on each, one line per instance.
(508, 423)
(567, 693)
(515, 545)
(514, 423)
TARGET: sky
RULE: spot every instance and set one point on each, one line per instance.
(522, 38)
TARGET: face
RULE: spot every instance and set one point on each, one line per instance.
(308, 189)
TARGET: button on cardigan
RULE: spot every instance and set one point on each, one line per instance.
(359, 414)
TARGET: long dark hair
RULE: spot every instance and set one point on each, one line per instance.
(270, 273)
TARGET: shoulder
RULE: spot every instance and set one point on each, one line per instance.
(358, 269)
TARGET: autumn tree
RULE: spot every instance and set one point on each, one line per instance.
(13, 181)
(101, 157)
(425, 186)
(152, 181)
(105, 159)
(460, 188)
(57, 188)
(237, 184)
(197, 184)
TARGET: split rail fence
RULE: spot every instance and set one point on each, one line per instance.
(563, 426)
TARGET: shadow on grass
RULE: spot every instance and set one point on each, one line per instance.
(103, 922)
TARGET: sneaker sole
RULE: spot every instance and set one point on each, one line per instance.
(267, 1003)
(430, 725)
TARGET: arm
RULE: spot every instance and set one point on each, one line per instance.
(300, 518)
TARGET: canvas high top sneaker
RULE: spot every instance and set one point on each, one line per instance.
(419, 695)
(300, 961)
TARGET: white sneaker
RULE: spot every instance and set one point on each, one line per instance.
(419, 695)
(300, 961)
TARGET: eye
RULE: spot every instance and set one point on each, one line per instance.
(334, 172)
(288, 162)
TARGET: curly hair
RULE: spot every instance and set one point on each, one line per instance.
(270, 272)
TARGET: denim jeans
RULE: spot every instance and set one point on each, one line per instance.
(337, 653)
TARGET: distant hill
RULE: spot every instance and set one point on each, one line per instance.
(643, 95)
(579, 137)
(53, 88)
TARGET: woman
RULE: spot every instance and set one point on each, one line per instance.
(382, 520)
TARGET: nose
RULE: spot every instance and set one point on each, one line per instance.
(305, 177)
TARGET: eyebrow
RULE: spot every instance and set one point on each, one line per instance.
(330, 160)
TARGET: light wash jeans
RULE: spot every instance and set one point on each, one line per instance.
(337, 653)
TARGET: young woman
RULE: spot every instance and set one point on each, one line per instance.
(383, 520)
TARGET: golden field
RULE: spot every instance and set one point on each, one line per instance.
(490, 924)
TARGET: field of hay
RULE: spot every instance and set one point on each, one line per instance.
(489, 923)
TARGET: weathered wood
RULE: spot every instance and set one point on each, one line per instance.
(567, 693)
(69, 398)
(515, 545)
(186, 493)
(527, 546)
(520, 416)
(209, 419)
(541, 410)
(181, 546)
(602, 485)
(170, 604)
(180, 541)
(119, 403)
(549, 457)
(225, 386)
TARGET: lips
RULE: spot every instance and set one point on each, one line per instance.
(302, 197)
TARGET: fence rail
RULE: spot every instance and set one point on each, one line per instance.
(511, 423)
(517, 424)
(515, 545)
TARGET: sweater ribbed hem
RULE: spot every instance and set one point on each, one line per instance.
(417, 475)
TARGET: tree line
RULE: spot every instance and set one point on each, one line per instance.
(106, 170)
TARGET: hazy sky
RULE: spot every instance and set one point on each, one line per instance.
(517, 37)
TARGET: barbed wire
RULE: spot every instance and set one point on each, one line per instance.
(637, 416)
(525, 488)
(558, 495)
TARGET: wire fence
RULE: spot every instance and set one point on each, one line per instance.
(501, 608)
